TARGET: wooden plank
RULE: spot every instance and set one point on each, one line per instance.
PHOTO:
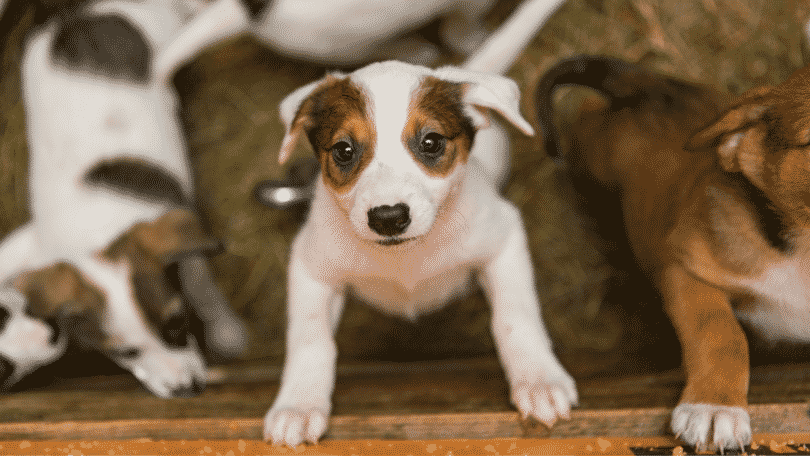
(770, 418)
(765, 444)
(459, 386)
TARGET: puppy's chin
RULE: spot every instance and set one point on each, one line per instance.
(393, 241)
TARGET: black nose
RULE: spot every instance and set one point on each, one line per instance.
(192, 390)
(389, 220)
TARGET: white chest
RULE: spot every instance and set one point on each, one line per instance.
(414, 292)
(781, 301)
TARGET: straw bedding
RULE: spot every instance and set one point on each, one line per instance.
(229, 109)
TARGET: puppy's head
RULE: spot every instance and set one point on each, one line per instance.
(26, 341)
(152, 250)
(146, 316)
(40, 312)
(393, 140)
(766, 137)
(60, 295)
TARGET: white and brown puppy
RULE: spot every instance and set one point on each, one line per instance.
(406, 215)
(110, 186)
(716, 206)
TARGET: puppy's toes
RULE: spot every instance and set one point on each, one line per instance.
(166, 372)
(732, 428)
(291, 426)
(546, 402)
(693, 423)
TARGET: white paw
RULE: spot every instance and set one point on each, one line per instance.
(293, 426)
(692, 423)
(545, 400)
(168, 372)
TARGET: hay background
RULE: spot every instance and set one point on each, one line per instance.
(229, 100)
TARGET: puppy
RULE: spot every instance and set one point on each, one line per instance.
(111, 189)
(406, 215)
(342, 33)
(716, 209)
(348, 32)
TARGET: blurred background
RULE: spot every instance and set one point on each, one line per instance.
(604, 318)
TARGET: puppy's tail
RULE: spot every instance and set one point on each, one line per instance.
(609, 76)
(504, 45)
(624, 85)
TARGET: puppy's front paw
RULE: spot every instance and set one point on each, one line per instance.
(166, 373)
(292, 426)
(545, 400)
(693, 422)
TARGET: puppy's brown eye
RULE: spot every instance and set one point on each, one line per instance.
(343, 153)
(432, 145)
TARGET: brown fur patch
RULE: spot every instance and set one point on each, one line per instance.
(149, 247)
(337, 111)
(59, 293)
(437, 107)
(715, 351)
(58, 288)
(153, 245)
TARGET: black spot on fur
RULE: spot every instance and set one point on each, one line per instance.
(257, 7)
(137, 178)
(106, 44)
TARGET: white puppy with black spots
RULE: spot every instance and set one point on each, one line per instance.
(110, 199)
(406, 215)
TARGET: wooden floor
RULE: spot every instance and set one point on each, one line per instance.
(393, 402)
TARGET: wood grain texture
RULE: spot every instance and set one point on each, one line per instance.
(769, 418)
(424, 400)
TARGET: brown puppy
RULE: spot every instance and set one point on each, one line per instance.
(716, 211)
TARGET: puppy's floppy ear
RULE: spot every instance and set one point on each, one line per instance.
(61, 294)
(296, 113)
(58, 288)
(488, 91)
(164, 241)
(738, 135)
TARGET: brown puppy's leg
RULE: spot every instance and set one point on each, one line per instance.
(715, 357)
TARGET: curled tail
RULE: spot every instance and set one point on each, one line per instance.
(624, 84)
(607, 75)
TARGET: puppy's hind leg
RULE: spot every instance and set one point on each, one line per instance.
(715, 357)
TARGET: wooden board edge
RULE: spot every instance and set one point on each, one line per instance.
(651, 422)
(763, 444)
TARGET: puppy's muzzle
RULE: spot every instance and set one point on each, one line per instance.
(194, 389)
(389, 220)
